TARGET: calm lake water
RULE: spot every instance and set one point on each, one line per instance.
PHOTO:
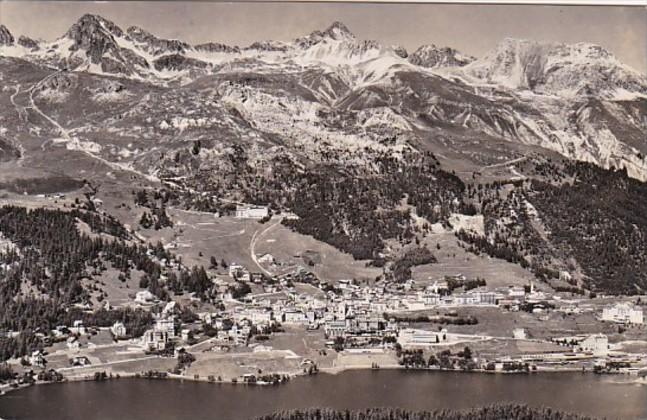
(135, 399)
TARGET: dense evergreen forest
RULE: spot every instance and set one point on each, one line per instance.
(356, 212)
(494, 412)
(42, 274)
(600, 219)
(590, 220)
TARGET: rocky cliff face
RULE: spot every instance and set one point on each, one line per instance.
(28, 43)
(335, 32)
(177, 62)
(431, 56)
(5, 36)
(215, 47)
(95, 36)
(401, 51)
(154, 45)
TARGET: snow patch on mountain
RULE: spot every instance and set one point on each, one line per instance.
(566, 70)
(382, 117)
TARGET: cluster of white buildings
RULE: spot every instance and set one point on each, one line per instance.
(425, 299)
(623, 313)
(358, 311)
(145, 297)
(164, 330)
(386, 298)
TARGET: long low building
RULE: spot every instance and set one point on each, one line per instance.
(410, 337)
(252, 212)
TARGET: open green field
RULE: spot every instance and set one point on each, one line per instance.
(197, 236)
(453, 260)
(347, 360)
(196, 233)
(308, 344)
(287, 246)
(141, 365)
(497, 323)
(497, 347)
(233, 365)
(116, 292)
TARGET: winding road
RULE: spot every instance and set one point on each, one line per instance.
(252, 246)
(65, 133)
(22, 114)
(509, 162)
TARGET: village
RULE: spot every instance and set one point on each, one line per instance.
(268, 320)
(342, 326)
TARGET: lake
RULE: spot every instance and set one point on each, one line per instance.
(135, 399)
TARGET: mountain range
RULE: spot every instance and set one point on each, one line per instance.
(327, 112)
(577, 100)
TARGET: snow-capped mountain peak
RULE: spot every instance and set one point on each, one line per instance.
(555, 68)
(357, 62)
(95, 44)
(577, 100)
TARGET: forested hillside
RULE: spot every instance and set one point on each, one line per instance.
(494, 412)
(47, 263)
(592, 221)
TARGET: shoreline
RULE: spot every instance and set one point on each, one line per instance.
(5, 390)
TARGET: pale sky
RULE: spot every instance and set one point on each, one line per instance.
(472, 29)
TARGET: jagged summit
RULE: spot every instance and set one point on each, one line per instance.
(155, 45)
(137, 32)
(95, 35)
(400, 51)
(268, 46)
(96, 44)
(217, 47)
(5, 36)
(338, 31)
(91, 23)
(582, 49)
(28, 42)
(431, 56)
